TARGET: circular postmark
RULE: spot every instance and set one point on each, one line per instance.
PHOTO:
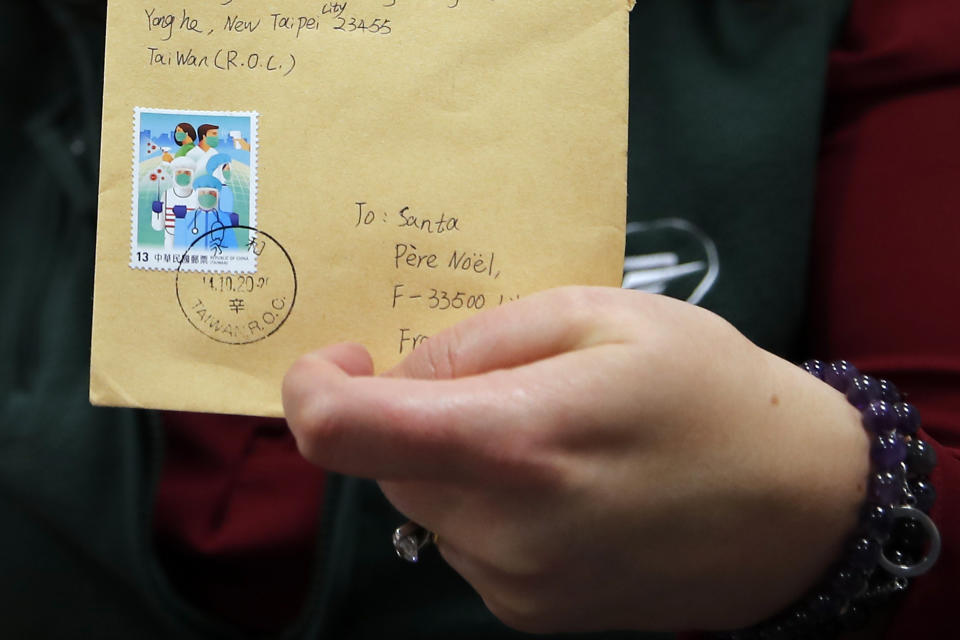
(234, 307)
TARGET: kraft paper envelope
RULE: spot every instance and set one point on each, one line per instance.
(277, 176)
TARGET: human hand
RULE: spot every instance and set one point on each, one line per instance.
(167, 156)
(599, 459)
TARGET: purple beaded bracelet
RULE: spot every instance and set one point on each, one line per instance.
(895, 540)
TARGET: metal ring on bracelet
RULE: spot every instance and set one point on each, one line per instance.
(933, 541)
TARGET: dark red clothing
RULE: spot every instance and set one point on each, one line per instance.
(884, 295)
(236, 517)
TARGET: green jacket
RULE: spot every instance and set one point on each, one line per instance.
(726, 103)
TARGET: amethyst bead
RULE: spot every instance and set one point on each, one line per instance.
(888, 451)
(889, 392)
(849, 582)
(800, 623)
(924, 493)
(814, 368)
(876, 521)
(864, 553)
(908, 420)
(854, 617)
(921, 457)
(839, 374)
(825, 606)
(880, 417)
(863, 390)
(885, 488)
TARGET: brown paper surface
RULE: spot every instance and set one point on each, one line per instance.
(486, 140)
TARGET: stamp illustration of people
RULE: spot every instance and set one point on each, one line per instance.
(194, 190)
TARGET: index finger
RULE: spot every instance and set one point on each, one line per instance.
(473, 428)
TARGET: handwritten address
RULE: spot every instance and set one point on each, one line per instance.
(477, 269)
(176, 37)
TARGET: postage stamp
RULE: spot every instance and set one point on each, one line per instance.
(194, 177)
